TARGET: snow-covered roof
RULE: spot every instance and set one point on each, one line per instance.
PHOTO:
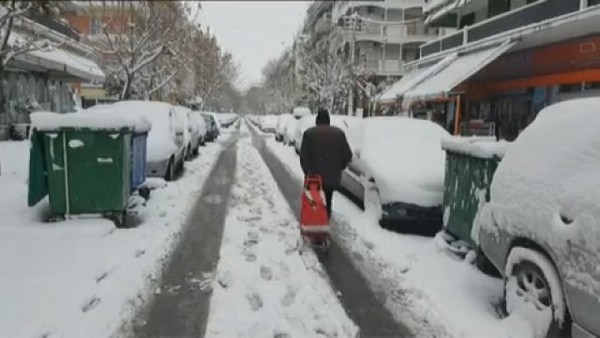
(48, 121)
(482, 147)
(58, 59)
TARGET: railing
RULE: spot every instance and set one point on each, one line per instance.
(383, 67)
(521, 17)
(54, 25)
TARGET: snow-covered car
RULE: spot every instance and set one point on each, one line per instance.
(541, 228)
(301, 126)
(191, 133)
(201, 125)
(268, 123)
(227, 119)
(289, 132)
(165, 143)
(211, 125)
(397, 170)
(282, 121)
(300, 112)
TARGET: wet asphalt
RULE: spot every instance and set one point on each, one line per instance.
(181, 308)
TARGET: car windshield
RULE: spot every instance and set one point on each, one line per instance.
(382, 168)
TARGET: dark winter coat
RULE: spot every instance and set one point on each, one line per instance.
(325, 152)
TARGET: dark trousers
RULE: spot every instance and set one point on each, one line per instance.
(328, 197)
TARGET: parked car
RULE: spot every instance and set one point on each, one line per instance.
(212, 128)
(289, 131)
(397, 171)
(300, 112)
(192, 131)
(282, 122)
(268, 123)
(201, 125)
(227, 119)
(165, 145)
(301, 126)
(541, 228)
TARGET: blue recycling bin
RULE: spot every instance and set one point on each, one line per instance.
(139, 157)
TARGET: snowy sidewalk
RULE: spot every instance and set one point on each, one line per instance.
(424, 286)
(262, 286)
(83, 277)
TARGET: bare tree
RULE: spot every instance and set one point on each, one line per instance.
(134, 37)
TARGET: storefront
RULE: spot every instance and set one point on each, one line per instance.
(509, 92)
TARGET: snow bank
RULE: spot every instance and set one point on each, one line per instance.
(161, 139)
(482, 147)
(47, 121)
(405, 158)
(262, 286)
(547, 188)
(83, 277)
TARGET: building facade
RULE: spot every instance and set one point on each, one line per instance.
(375, 38)
(505, 61)
(41, 79)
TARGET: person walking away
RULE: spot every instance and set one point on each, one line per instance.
(325, 152)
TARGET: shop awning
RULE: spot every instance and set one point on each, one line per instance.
(413, 78)
(445, 15)
(439, 85)
(59, 61)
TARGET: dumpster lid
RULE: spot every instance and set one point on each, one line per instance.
(47, 121)
(482, 147)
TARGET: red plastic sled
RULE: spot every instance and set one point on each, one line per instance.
(314, 222)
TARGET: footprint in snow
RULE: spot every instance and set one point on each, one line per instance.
(101, 277)
(140, 253)
(255, 301)
(90, 304)
(289, 297)
(250, 256)
(282, 335)
(266, 273)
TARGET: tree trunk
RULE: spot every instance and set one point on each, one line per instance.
(4, 116)
(126, 93)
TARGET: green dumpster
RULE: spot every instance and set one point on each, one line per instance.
(82, 163)
(470, 166)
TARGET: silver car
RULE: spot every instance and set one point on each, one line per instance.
(541, 228)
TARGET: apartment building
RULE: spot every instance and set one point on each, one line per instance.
(377, 38)
(506, 60)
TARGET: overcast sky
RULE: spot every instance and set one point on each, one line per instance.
(253, 31)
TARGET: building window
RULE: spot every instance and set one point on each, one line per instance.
(569, 88)
(591, 86)
(593, 3)
(467, 20)
(496, 7)
(95, 26)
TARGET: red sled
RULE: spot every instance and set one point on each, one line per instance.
(314, 222)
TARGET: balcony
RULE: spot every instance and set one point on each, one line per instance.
(384, 67)
(521, 17)
(342, 7)
(413, 31)
(53, 24)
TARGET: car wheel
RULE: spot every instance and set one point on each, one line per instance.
(528, 293)
(372, 201)
(170, 176)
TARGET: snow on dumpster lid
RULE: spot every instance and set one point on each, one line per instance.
(92, 120)
(482, 147)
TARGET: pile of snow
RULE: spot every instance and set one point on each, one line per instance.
(547, 188)
(83, 277)
(482, 147)
(405, 158)
(263, 286)
(48, 121)
(161, 139)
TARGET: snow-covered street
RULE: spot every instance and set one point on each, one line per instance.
(263, 287)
